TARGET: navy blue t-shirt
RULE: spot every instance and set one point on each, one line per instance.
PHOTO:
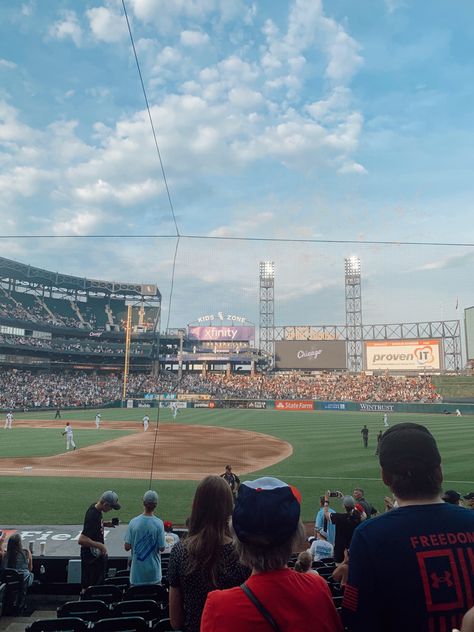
(411, 569)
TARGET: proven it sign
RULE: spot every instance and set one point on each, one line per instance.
(403, 355)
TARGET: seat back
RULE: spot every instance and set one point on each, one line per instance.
(70, 624)
(121, 624)
(108, 593)
(156, 592)
(120, 581)
(145, 608)
(15, 591)
(164, 625)
(90, 610)
(2, 596)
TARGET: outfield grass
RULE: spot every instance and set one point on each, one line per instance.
(328, 454)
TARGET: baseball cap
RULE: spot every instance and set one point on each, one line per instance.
(451, 496)
(469, 496)
(408, 446)
(348, 501)
(111, 499)
(150, 497)
(267, 511)
(323, 533)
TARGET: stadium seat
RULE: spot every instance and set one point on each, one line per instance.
(91, 610)
(121, 624)
(157, 593)
(2, 596)
(164, 625)
(71, 624)
(145, 608)
(121, 582)
(123, 573)
(15, 591)
(108, 593)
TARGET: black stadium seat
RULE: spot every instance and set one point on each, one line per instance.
(145, 608)
(92, 610)
(14, 599)
(121, 624)
(147, 591)
(163, 626)
(108, 593)
(70, 624)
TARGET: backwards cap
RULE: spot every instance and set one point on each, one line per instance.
(408, 446)
(267, 511)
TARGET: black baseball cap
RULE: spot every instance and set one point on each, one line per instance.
(469, 496)
(451, 496)
(408, 446)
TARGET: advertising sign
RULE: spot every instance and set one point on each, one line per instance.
(310, 354)
(469, 329)
(290, 404)
(226, 333)
(333, 405)
(402, 355)
(376, 408)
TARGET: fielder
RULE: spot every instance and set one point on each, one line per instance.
(97, 420)
(146, 421)
(69, 437)
(174, 409)
(385, 420)
(8, 421)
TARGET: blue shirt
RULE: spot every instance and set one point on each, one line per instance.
(330, 527)
(411, 569)
(146, 536)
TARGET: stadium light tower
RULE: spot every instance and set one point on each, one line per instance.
(353, 313)
(267, 307)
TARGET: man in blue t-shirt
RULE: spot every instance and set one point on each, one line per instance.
(321, 522)
(411, 569)
(145, 537)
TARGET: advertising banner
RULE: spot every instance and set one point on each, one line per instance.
(469, 329)
(367, 407)
(289, 404)
(333, 405)
(222, 333)
(310, 354)
(402, 355)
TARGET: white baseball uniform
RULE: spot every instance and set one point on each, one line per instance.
(8, 421)
(97, 421)
(385, 420)
(146, 421)
(69, 438)
(174, 409)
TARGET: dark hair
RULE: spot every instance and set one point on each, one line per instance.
(415, 483)
(14, 549)
(208, 526)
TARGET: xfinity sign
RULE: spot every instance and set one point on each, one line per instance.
(312, 355)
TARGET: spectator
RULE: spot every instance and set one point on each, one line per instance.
(304, 562)
(170, 538)
(320, 548)
(369, 510)
(91, 540)
(409, 568)
(145, 537)
(206, 559)
(267, 526)
(452, 496)
(345, 525)
(19, 558)
(469, 498)
(323, 523)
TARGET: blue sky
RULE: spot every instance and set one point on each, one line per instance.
(302, 119)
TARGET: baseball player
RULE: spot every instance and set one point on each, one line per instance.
(385, 420)
(146, 421)
(8, 421)
(174, 409)
(69, 437)
(97, 420)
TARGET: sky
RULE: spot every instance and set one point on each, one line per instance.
(302, 119)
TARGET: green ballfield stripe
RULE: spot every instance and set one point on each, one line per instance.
(327, 454)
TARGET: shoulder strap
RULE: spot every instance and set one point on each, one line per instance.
(260, 607)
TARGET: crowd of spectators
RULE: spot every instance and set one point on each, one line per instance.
(87, 346)
(25, 389)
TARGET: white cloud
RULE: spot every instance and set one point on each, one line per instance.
(194, 38)
(106, 25)
(67, 27)
(4, 63)
(81, 222)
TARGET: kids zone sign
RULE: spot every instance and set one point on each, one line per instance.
(403, 355)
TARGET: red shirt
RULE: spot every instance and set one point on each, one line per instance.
(297, 601)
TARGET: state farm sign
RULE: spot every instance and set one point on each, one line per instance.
(289, 404)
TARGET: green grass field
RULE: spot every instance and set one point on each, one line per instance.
(328, 454)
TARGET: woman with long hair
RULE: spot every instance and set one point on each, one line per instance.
(19, 558)
(206, 559)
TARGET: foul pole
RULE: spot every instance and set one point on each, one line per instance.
(128, 334)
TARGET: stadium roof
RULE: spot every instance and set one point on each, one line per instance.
(29, 274)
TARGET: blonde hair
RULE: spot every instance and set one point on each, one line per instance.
(304, 562)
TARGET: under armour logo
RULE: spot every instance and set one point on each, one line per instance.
(437, 580)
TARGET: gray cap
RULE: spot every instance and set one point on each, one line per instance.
(323, 533)
(150, 497)
(348, 501)
(111, 499)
